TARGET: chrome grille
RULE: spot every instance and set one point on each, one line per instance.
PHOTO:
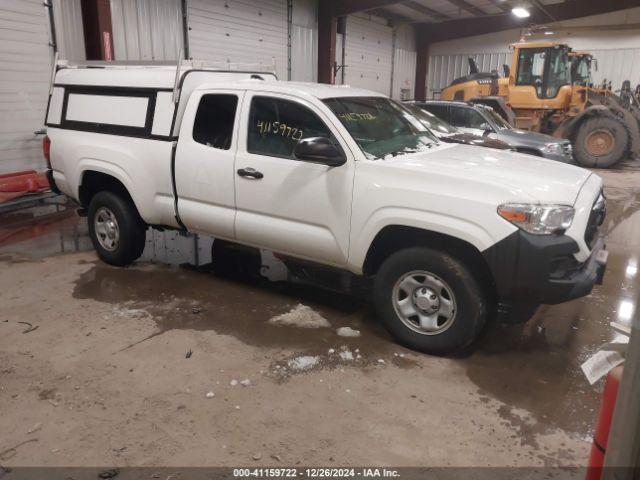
(596, 218)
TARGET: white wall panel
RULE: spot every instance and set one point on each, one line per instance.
(239, 31)
(25, 66)
(369, 47)
(304, 41)
(404, 63)
(69, 30)
(147, 29)
(618, 65)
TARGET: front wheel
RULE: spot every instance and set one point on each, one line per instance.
(429, 301)
(116, 229)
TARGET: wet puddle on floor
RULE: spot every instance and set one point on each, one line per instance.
(534, 367)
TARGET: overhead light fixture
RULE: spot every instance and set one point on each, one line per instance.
(549, 32)
(521, 12)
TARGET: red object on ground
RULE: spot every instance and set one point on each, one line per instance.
(605, 416)
(14, 185)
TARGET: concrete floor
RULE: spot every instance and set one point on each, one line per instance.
(104, 378)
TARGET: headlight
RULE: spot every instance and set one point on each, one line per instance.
(553, 149)
(538, 219)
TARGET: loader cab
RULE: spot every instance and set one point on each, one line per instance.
(546, 68)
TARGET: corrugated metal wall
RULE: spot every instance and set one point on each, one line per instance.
(443, 69)
(25, 66)
(304, 41)
(147, 29)
(69, 30)
(247, 31)
(369, 51)
(617, 65)
(404, 63)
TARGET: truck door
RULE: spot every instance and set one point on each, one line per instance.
(284, 204)
(204, 162)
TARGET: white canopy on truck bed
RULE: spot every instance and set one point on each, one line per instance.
(140, 100)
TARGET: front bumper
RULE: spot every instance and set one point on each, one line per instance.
(535, 269)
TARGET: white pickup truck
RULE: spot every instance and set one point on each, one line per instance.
(328, 176)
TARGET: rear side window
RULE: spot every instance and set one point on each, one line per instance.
(214, 121)
(276, 126)
(439, 111)
(467, 117)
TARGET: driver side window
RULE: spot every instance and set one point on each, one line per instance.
(276, 126)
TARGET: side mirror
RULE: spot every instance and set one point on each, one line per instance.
(486, 128)
(319, 150)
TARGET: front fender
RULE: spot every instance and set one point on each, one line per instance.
(473, 233)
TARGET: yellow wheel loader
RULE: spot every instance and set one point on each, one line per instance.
(550, 90)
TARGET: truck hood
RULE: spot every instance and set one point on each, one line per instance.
(522, 177)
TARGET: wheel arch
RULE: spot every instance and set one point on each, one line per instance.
(393, 238)
(94, 180)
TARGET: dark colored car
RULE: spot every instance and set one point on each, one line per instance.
(450, 134)
(483, 120)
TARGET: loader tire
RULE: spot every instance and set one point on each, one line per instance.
(601, 142)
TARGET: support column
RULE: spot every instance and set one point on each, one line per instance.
(422, 66)
(98, 32)
(327, 26)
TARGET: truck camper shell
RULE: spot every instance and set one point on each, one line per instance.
(137, 100)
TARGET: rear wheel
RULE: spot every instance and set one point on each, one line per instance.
(116, 229)
(601, 142)
(429, 301)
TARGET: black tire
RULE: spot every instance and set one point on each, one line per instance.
(470, 300)
(131, 228)
(609, 127)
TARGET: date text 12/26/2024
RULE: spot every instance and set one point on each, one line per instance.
(315, 473)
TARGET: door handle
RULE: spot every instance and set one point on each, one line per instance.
(250, 173)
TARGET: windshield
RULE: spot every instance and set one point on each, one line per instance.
(431, 121)
(501, 123)
(381, 127)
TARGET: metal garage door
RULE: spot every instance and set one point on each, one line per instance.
(25, 67)
(368, 54)
(149, 30)
(242, 31)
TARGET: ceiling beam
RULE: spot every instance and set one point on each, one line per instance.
(393, 17)
(540, 6)
(429, 12)
(468, 27)
(347, 7)
(472, 9)
(502, 5)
